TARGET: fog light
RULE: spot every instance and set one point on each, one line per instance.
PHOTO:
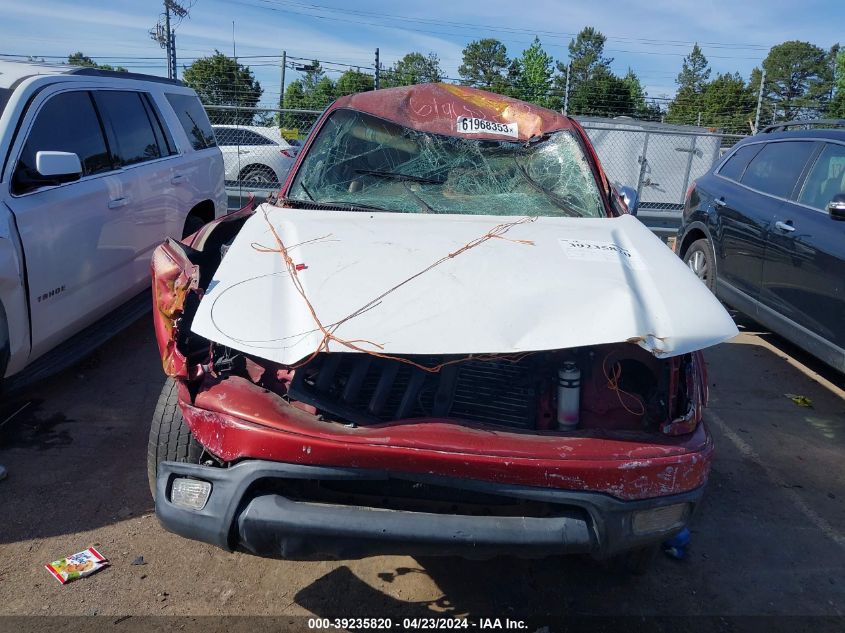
(190, 493)
(660, 519)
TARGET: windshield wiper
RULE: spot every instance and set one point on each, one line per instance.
(318, 204)
(395, 175)
(551, 195)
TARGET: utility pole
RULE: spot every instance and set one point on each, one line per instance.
(760, 101)
(378, 72)
(165, 35)
(284, 63)
(173, 54)
(566, 91)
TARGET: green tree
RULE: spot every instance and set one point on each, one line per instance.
(642, 109)
(485, 63)
(586, 56)
(353, 81)
(728, 103)
(837, 104)
(686, 106)
(799, 79)
(79, 59)
(221, 81)
(413, 68)
(604, 94)
(535, 77)
(695, 71)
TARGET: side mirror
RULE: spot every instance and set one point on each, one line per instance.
(629, 195)
(58, 166)
(836, 207)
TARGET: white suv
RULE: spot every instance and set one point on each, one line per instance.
(96, 169)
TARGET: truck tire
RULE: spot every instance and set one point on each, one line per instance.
(170, 438)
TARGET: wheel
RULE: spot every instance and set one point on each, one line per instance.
(259, 176)
(702, 261)
(170, 438)
(193, 223)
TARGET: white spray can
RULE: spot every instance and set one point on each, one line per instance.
(568, 396)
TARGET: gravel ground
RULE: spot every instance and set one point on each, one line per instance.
(768, 538)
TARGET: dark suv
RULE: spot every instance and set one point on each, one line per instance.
(765, 230)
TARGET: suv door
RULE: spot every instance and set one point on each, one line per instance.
(153, 204)
(803, 277)
(740, 226)
(73, 272)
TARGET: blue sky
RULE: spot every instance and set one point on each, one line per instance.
(650, 36)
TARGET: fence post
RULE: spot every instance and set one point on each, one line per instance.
(759, 101)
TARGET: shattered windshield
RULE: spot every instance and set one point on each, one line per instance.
(364, 161)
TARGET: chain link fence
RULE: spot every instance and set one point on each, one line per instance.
(659, 161)
(259, 146)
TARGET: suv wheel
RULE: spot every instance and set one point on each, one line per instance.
(170, 438)
(702, 261)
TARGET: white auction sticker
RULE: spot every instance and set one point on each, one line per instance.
(599, 251)
(473, 125)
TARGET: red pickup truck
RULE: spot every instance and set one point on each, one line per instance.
(446, 335)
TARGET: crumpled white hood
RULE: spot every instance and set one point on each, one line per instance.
(579, 282)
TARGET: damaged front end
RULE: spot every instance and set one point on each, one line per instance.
(636, 432)
(477, 459)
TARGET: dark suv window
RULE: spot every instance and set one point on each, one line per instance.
(777, 167)
(66, 123)
(737, 163)
(132, 134)
(194, 120)
(826, 179)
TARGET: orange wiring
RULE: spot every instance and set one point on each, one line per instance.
(497, 232)
(613, 384)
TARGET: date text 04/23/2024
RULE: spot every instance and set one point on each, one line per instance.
(350, 624)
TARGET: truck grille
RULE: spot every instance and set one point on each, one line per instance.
(363, 389)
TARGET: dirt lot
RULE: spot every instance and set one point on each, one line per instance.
(769, 538)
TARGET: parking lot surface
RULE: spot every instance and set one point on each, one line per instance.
(768, 539)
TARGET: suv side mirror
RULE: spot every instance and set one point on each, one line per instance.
(836, 207)
(629, 195)
(58, 166)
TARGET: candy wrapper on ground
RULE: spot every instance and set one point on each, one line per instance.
(81, 564)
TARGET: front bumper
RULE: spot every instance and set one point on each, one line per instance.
(242, 513)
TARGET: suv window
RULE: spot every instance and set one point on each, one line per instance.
(826, 178)
(132, 137)
(776, 169)
(194, 120)
(736, 164)
(67, 122)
